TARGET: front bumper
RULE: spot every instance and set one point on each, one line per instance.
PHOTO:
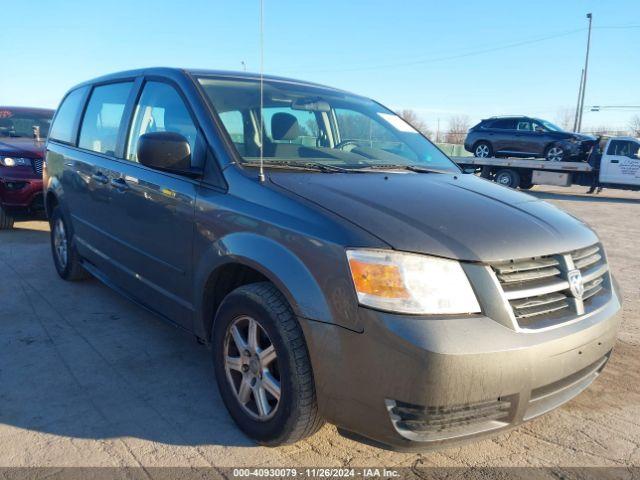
(411, 383)
(20, 190)
(578, 150)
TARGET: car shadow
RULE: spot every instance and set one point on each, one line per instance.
(591, 198)
(78, 360)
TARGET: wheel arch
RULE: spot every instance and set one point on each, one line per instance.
(479, 141)
(53, 195)
(559, 142)
(244, 258)
(50, 202)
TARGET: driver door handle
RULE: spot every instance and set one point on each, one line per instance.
(99, 177)
(119, 184)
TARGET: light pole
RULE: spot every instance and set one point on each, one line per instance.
(584, 76)
(575, 119)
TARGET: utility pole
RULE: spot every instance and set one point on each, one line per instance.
(575, 119)
(586, 66)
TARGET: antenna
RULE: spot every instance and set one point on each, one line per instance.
(261, 175)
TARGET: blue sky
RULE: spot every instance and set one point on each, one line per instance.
(477, 58)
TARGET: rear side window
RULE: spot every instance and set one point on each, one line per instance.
(64, 124)
(103, 117)
(504, 124)
(525, 125)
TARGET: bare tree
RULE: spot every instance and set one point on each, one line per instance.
(458, 128)
(418, 123)
(634, 125)
(565, 118)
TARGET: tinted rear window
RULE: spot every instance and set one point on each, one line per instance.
(64, 123)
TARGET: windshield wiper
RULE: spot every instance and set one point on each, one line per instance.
(322, 167)
(413, 168)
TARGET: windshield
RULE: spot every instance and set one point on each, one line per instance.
(17, 123)
(306, 124)
(551, 126)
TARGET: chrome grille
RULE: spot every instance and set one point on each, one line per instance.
(539, 289)
(37, 165)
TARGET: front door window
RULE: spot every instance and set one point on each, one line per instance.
(160, 109)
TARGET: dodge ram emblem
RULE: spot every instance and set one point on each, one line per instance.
(575, 283)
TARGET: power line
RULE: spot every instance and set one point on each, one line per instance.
(453, 57)
(469, 54)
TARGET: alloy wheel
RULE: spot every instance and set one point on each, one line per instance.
(251, 365)
(482, 151)
(555, 154)
(60, 243)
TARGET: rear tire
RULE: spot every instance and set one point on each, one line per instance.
(6, 220)
(482, 150)
(507, 178)
(243, 368)
(65, 256)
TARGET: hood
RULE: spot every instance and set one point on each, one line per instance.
(21, 147)
(583, 137)
(455, 216)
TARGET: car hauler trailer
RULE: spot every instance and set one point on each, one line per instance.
(615, 163)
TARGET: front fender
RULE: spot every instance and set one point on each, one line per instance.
(275, 262)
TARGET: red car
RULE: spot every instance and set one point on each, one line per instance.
(23, 132)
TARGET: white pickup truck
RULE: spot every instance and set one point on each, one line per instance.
(613, 163)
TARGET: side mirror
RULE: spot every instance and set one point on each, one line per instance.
(168, 151)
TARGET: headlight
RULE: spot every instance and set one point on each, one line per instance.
(410, 283)
(15, 162)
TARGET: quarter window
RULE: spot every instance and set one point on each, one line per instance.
(103, 117)
(160, 109)
(64, 124)
(504, 124)
(233, 122)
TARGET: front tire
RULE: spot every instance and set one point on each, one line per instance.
(262, 366)
(555, 153)
(482, 150)
(65, 256)
(6, 221)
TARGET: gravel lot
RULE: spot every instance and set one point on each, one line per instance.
(89, 379)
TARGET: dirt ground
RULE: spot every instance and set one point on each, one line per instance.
(89, 379)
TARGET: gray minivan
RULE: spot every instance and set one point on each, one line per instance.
(340, 266)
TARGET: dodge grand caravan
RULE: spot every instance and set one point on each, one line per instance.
(358, 278)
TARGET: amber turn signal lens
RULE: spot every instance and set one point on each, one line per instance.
(378, 279)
